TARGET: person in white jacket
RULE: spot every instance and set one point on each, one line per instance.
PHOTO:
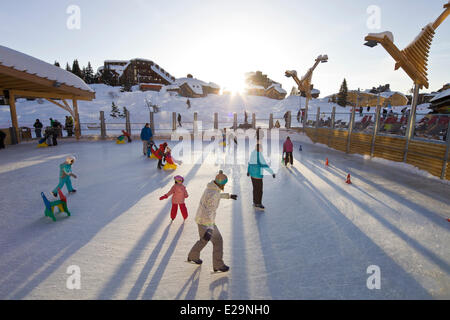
(207, 228)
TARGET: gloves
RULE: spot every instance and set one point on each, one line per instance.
(208, 235)
(233, 196)
(74, 175)
(163, 197)
(273, 175)
(248, 174)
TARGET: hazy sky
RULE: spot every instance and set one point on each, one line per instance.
(221, 40)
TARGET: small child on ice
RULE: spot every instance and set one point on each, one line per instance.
(179, 194)
(65, 172)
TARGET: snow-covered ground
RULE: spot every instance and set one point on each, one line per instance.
(135, 102)
(315, 240)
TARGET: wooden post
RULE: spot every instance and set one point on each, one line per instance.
(253, 120)
(350, 129)
(375, 129)
(152, 122)
(289, 120)
(333, 117)
(174, 121)
(216, 121)
(447, 151)
(195, 123)
(15, 123)
(235, 121)
(305, 120)
(127, 122)
(317, 117)
(102, 125)
(411, 120)
(271, 121)
(77, 119)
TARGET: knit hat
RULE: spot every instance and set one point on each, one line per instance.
(70, 159)
(221, 179)
(179, 178)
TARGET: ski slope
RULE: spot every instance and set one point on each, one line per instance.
(315, 240)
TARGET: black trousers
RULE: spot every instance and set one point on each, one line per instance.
(288, 158)
(257, 190)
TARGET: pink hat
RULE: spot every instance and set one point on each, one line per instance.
(179, 178)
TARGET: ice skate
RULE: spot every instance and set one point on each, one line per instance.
(225, 268)
(194, 261)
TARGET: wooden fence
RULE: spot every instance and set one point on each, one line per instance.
(426, 155)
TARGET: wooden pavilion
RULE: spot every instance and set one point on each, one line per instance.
(23, 76)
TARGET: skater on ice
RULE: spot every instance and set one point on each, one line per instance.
(146, 137)
(178, 193)
(206, 222)
(65, 172)
(288, 148)
(255, 171)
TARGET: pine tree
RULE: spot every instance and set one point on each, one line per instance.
(124, 113)
(342, 95)
(68, 67)
(57, 64)
(76, 69)
(83, 74)
(107, 76)
(115, 112)
(89, 75)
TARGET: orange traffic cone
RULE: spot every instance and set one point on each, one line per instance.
(326, 162)
(348, 179)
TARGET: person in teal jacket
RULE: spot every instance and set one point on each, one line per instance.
(255, 170)
(65, 172)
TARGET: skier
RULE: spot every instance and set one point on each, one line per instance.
(179, 193)
(179, 120)
(255, 170)
(207, 228)
(188, 102)
(287, 150)
(38, 128)
(65, 172)
(146, 136)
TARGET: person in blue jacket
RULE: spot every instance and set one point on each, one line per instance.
(65, 172)
(255, 170)
(146, 136)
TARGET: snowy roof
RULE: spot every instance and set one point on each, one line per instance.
(195, 84)
(23, 62)
(315, 91)
(254, 86)
(117, 61)
(277, 87)
(163, 74)
(119, 69)
(380, 35)
(441, 95)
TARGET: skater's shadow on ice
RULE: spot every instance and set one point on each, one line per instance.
(442, 263)
(134, 293)
(193, 282)
(157, 276)
(223, 285)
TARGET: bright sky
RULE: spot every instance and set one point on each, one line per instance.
(220, 41)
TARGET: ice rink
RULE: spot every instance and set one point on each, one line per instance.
(316, 239)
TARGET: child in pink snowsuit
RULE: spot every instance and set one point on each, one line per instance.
(179, 193)
(288, 148)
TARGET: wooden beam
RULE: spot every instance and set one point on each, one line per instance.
(76, 119)
(12, 108)
(65, 107)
